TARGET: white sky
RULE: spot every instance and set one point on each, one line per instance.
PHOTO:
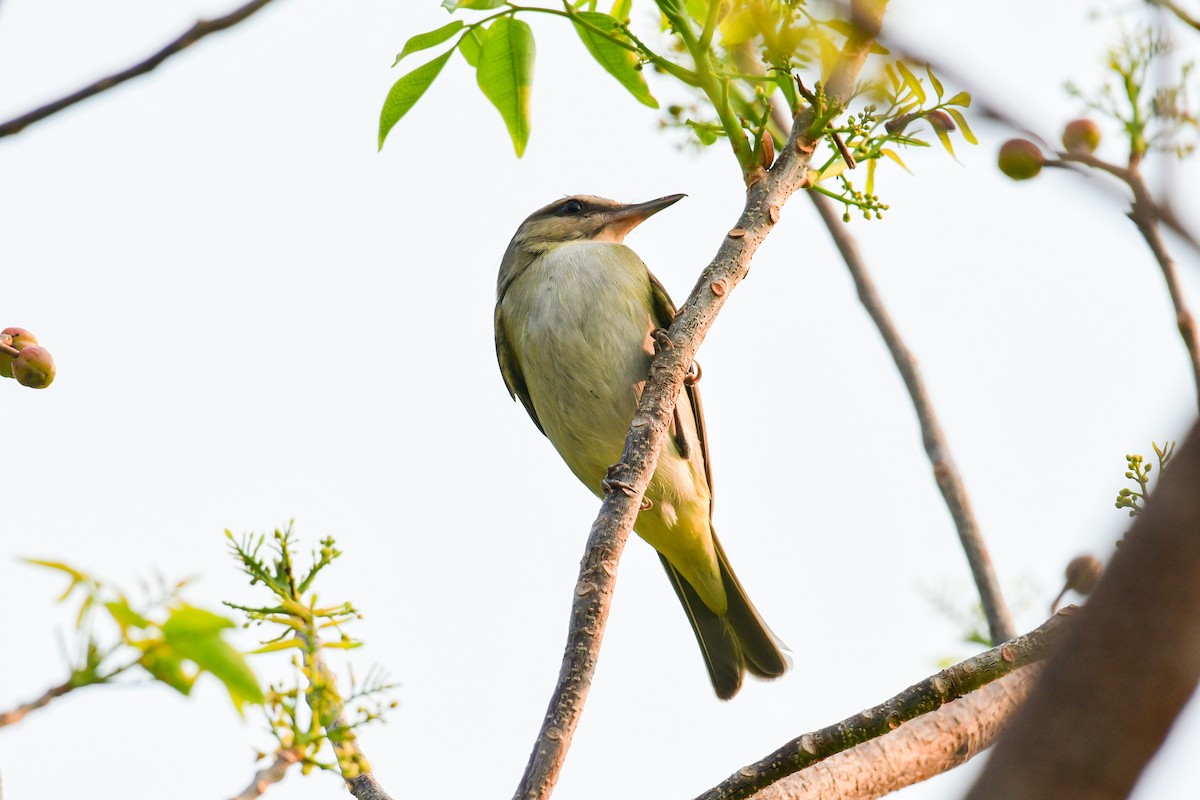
(256, 317)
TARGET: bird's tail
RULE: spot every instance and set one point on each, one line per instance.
(734, 642)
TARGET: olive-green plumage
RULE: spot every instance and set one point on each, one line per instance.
(575, 315)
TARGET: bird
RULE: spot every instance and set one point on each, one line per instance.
(577, 313)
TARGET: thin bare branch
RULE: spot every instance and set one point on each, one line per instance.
(1178, 11)
(766, 194)
(1126, 667)
(189, 37)
(916, 751)
(1146, 215)
(917, 700)
(945, 472)
(19, 713)
(269, 775)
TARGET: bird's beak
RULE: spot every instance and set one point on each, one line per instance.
(624, 219)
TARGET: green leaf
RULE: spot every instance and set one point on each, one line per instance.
(961, 99)
(470, 45)
(162, 663)
(424, 41)
(505, 75)
(967, 133)
(125, 616)
(276, 646)
(937, 85)
(911, 81)
(622, 64)
(478, 5)
(621, 9)
(891, 74)
(406, 92)
(705, 132)
(195, 634)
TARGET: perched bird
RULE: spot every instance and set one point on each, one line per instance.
(576, 312)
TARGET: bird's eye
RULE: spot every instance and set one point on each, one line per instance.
(572, 207)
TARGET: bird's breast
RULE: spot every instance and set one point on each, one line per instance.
(579, 321)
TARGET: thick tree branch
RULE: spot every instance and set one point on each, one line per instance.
(916, 751)
(945, 472)
(1127, 665)
(765, 195)
(189, 37)
(922, 698)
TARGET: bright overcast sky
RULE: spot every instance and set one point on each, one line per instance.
(257, 317)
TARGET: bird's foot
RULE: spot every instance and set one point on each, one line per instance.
(612, 482)
(662, 340)
(693, 374)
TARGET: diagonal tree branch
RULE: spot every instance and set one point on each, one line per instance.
(189, 37)
(1126, 667)
(926, 697)
(917, 751)
(945, 472)
(767, 191)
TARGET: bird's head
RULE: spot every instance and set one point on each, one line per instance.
(585, 218)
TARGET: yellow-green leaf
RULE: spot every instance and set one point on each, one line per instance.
(505, 75)
(621, 63)
(276, 646)
(937, 85)
(890, 153)
(961, 99)
(165, 666)
(944, 137)
(621, 9)
(478, 5)
(424, 41)
(967, 133)
(911, 81)
(125, 616)
(406, 92)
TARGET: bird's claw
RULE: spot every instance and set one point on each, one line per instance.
(662, 340)
(693, 374)
(612, 483)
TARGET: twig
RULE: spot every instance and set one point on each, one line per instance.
(945, 472)
(271, 774)
(1174, 8)
(189, 37)
(1126, 666)
(915, 752)
(54, 692)
(764, 197)
(915, 701)
(1146, 215)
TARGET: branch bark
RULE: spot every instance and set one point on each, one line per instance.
(269, 775)
(917, 751)
(53, 693)
(949, 481)
(1126, 667)
(933, 693)
(189, 37)
(765, 195)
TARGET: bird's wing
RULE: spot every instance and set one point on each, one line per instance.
(511, 370)
(664, 315)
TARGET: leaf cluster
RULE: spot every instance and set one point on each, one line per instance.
(746, 63)
(172, 641)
